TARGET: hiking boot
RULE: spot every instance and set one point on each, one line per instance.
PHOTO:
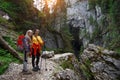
(37, 67)
(26, 72)
(34, 69)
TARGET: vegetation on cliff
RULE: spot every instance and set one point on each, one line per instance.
(110, 23)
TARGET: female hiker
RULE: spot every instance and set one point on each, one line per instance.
(36, 48)
(27, 45)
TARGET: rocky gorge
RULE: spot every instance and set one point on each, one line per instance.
(82, 34)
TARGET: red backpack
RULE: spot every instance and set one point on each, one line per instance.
(20, 42)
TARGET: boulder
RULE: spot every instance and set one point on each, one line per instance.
(67, 74)
(59, 58)
(48, 54)
(104, 64)
(4, 15)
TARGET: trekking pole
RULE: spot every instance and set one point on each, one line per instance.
(45, 65)
(40, 63)
(44, 48)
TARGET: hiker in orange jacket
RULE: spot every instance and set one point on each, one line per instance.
(37, 44)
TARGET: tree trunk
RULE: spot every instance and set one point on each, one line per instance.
(12, 51)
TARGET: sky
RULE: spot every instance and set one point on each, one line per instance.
(39, 4)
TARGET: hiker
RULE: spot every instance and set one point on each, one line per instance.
(36, 48)
(27, 44)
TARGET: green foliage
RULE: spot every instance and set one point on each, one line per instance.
(104, 4)
(109, 26)
(91, 20)
(86, 72)
(113, 27)
(5, 57)
(92, 4)
(5, 60)
(67, 65)
(10, 41)
(22, 13)
(85, 68)
(9, 8)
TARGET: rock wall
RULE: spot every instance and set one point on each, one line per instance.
(80, 15)
(53, 41)
(91, 22)
(103, 64)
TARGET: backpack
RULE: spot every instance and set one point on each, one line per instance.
(20, 43)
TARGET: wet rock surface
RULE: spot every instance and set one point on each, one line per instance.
(104, 64)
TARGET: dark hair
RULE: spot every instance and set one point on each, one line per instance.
(35, 30)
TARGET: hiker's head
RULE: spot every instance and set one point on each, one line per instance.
(36, 32)
(29, 33)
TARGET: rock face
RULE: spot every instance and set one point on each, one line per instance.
(80, 15)
(52, 40)
(48, 54)
(103, 64)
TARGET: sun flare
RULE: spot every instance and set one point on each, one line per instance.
(39, 4)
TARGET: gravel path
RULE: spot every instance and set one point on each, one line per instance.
(14, 72)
